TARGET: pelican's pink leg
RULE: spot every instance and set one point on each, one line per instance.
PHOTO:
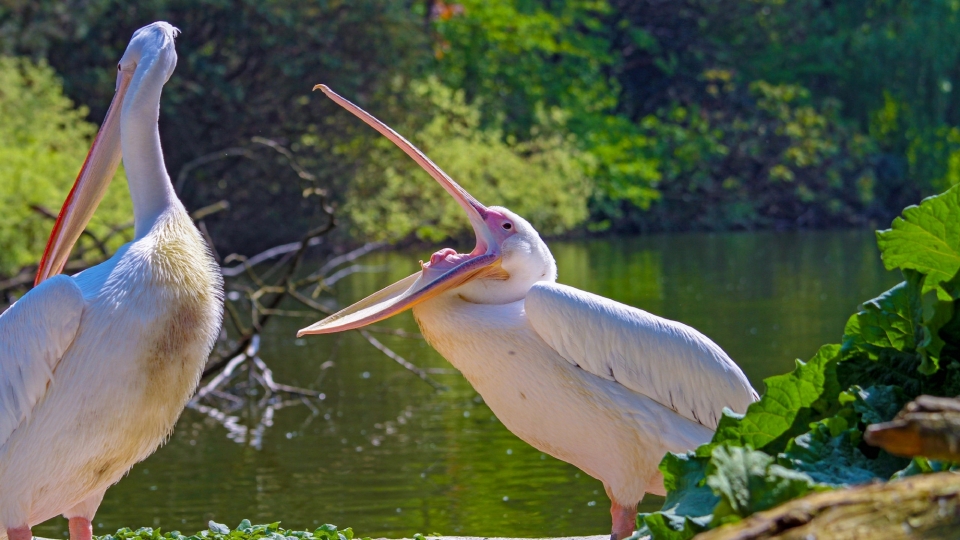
(80, 515)
(19, 533)
(80, 528)
(624, 520)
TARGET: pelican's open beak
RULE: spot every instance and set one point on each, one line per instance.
(91, 185)
(446, 269)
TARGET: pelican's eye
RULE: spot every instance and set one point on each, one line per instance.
(507, 225)
(118, 68)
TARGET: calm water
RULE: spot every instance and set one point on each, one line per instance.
(388, 455)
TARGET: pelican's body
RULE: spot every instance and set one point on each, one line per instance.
(592, 420)
(96, 368)
(604, 386)
(599, 425)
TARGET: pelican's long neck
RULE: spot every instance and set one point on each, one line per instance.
(150, 186)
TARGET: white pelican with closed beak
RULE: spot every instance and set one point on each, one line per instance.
(96, 368)
(599, 384)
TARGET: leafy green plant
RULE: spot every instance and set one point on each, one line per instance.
(805, 434)
(43, 141)
(244, 531)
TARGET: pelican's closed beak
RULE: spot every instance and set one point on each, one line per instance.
(88, 190)
(436, 276)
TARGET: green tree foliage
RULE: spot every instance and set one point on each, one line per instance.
(43, 141)
(891, 63)
(523, 62)
(805, 433)
(541, 178)
(761, 156)
(692, 114)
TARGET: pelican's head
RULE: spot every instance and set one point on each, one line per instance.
(508, 259)
(152, 43)
(524, 260)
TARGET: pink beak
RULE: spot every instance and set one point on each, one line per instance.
(88, 190)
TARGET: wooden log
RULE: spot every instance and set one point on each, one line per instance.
(928, 426)
(919, 507)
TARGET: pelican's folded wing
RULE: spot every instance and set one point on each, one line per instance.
(35, 333)
(665, 360)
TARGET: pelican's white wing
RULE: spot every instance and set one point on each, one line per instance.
(35, 333)
(665, 360)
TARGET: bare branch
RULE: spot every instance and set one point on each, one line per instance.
(276, 251)
(301, 172)
(209, 210)
(348, 257)
(207, 158)
(400, 360)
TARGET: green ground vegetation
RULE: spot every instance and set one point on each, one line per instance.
(622, 115)
(806, 432)
(244, 531)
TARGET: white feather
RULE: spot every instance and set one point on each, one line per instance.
(36, 331)
(667, 361)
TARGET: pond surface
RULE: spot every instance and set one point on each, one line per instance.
(388, 455)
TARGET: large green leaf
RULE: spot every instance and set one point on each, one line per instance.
(748, 481)
(689, 504)
(903, 319)
(835, 459)
(875, 404)
(805, 434)
(791, 402)
(886, 322)
(925, 239)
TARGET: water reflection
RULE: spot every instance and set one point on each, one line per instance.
(388, 455)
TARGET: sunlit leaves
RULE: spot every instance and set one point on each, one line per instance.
(791, 402)
(541, 179)
(926, 239)
(43, 141)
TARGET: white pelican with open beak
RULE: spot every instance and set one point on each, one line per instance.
(599, 384)
(96, 368)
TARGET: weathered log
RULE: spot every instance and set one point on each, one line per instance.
(926, 507)
(928, 426)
